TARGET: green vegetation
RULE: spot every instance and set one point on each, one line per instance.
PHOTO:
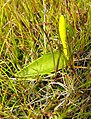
(29, 30)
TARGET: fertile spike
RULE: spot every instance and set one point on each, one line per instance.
(62, 32)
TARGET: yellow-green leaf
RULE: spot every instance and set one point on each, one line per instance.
(43, 65)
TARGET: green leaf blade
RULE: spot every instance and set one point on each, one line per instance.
(41, 66)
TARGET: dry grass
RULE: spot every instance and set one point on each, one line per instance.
(22, 40)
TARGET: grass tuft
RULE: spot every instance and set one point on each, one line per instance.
(29, 29)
